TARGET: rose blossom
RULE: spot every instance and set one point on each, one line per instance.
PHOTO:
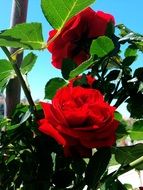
(79, 119)
(75, 37)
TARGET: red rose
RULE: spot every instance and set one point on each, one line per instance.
(79, 119)
(75, 38)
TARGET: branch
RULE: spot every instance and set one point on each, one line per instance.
(21, 80)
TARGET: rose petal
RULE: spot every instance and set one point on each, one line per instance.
(48, 129)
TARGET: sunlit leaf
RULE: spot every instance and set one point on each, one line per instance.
(6, 73)
(81, 68)
(58, 12)
(28, 63)
(137, 131)
(131, 51)
(26, 35)
(101, 46)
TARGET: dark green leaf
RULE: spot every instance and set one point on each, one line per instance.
(102, 46)
(125, 155)
(97, 166)
(115, 185)
(67, 66)
(121, 131)
(28, 63)
(136, 132)
(110, 29)
(139, 73)
(58, 12)
(129, 60)
(63, 178)
(26, 35)
(78, 166)
(52, 86)
(135, 105)
(113, 75)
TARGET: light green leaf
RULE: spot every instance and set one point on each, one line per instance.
(101, 46)
(6, 73)
(137, 130)
(131, 51)
(26, 35)
(5, 65)
(81, 68)
(118, 116)
(58, 12)
(28, 63)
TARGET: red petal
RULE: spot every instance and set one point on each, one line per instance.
(47, 128)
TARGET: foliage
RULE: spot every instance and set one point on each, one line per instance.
(30, 160)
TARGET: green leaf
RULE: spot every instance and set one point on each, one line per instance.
(137, 131)
(135, 105)
(81, 68)
(121, 131)
(26, 35)
(25, 117)
(128, 186)
(12, 127)
(113, 75)
(97, 166)
(131, 51)
(139, 73)
(129, 60)
(125, 155)
(6, 73)
(52, 86)
(63, 178)
(118, 116)
(123, 29)
(58, 12)
(78, 166)
(67, 66)
(101, 46)
(140, 87)
(28, 63)
(115, 185)
(5, 65)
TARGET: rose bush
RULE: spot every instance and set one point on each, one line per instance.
(79, 119)
(82, 80)
(75, 37)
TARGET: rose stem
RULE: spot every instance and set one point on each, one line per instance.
(21, 80)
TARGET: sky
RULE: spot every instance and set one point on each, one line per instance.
(128, 12)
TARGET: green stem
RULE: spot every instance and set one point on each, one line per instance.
(21, 80)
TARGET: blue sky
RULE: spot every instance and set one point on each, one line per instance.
(129, 12)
